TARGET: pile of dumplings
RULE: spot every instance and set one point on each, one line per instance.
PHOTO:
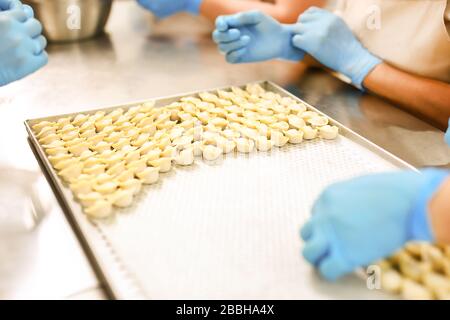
(105, 158)
(420, 271)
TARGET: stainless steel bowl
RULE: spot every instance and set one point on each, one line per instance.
(71, 20)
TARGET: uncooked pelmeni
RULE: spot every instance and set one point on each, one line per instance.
(244, 145)
(226, 145)
(45, 131)
(115, 114)
(78, 149)
(134, 185)
(101, 147)
(263, 144)
(121, 198)
(318, 121)
(296, 122)
(183, 142)
(197, 148)
(328, 132)
(309, 133)
(185, 157)
(70, 173)
(125, 175)
(99, 210)
(278, 138)
(54, 160)
(49, 138)
(89, 199)
(106, 188)
(391, 281)
(56, 151)
(137, 165)
(295, 136)
(169, 152)
(148, 176)
(103, 178)
(412, 290)
(66, 163)
(116, 169)
(152, 155)
(55, 144)
(164, 164)
(95, 170)
(39, 126)
(141, 139)
(96, 139)
(82, 187)
(88, 133)
(281, 126)
(132, 155)
(211, 153)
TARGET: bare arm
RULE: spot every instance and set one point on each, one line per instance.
(424, 97)
(440, 214)
(285, 11)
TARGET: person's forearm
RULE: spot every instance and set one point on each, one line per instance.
(439, 210)
(285, 11)
(425, 97)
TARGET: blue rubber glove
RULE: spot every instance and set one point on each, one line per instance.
(358, 222)
(165, 8)
(6, 5)
(447, 134)
(253, 36)
(327, 38)
(21, 44)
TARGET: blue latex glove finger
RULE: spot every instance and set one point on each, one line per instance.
(226, 36)
(36, 62)
(235, 45)
(33, 27)
(236, 56)
(316, 248)
(221, 23)
(447, 134)
(333, 267)
(28, 11)
(18, 14)
(248, 18)
(306, 231)
(40, 45)
(10, 4)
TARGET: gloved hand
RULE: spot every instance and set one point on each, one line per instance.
(327, 38)
(165, 8)
(357, 222)
(253, 36)
(6, 5)
(21, 43)
(447, 134)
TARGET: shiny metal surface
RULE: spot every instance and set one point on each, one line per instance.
(71, 20)
(136, 60)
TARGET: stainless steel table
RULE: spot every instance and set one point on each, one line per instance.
(140, 58)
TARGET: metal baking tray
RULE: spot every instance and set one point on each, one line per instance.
(223, 230)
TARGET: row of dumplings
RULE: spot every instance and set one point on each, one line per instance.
(419, 271)
(107, 156)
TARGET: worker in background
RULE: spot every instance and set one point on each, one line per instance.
(397, 49)
(22, 46)
(357, 222)
(285, 11)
